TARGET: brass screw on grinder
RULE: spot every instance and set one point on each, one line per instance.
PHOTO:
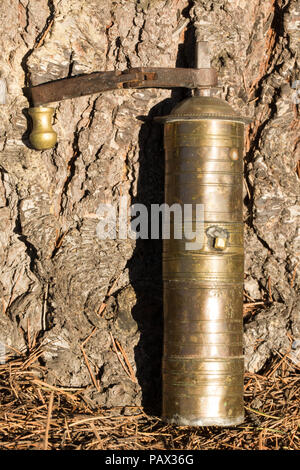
(220, 243)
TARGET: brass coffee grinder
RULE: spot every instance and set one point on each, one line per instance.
(203, 366)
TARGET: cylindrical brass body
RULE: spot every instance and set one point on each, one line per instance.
(203, 365)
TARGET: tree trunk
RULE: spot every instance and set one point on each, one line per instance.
(59, 282)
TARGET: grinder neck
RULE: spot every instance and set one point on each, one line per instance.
(202, 60)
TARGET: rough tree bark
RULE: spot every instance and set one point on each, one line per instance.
(59, 282)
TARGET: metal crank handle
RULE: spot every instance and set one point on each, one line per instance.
(44, 137)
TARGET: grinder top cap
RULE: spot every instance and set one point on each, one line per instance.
(204, 107)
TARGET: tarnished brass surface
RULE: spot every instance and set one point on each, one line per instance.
(203, 289)
(42, 136)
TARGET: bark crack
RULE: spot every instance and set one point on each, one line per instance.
(39, 38)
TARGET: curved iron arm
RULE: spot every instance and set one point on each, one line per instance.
(142, 77)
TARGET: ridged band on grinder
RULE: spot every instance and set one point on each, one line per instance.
(203, 289)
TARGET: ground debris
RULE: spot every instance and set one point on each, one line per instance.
(37, 415)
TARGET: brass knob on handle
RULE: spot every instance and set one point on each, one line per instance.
(42, 136)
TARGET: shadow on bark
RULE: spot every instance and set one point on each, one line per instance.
(145, 266)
